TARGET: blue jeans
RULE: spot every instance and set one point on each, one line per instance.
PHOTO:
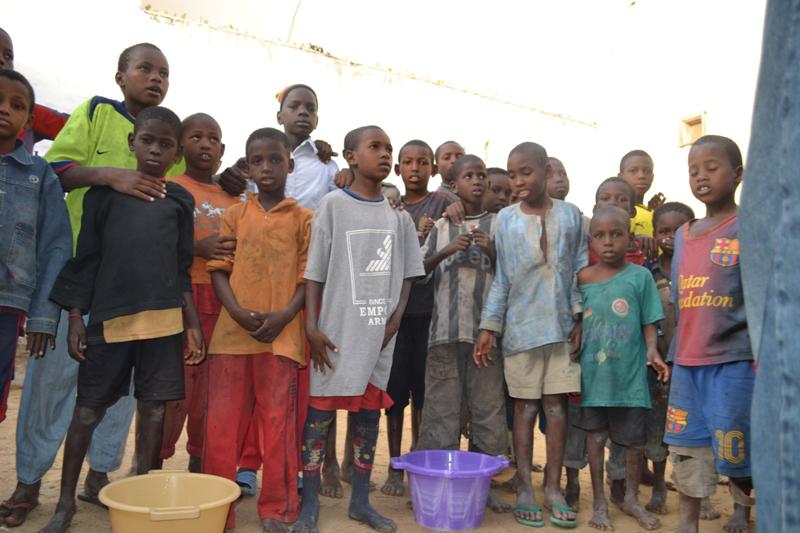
(768, 224)
(45, 411)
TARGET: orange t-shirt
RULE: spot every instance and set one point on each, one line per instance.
(265, 271)
(210, 201)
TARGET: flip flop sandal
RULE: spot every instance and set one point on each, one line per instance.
(533, 509)
(93, 499)
(562, 522)
(17, 518)
(248, 482)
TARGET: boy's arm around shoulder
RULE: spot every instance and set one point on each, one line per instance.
(74, 286)
(53, 250)
(228, 228)
(580, 248)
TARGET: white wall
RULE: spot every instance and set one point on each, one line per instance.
(630, 69)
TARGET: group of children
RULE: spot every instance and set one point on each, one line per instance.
(257, 314)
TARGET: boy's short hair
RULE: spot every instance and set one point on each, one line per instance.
(416, 142)
(353, 137)
(496, 170)
(730, 147)
(269, 134)
(200, 116)
(439, 149)
(550, 159)
(672, 207)
(534, 149)
(633, 153)
(459, 163)
(281, 96)
(162, 114)
(125, 56)
(615, 179)
(611, 211)
(16, 76)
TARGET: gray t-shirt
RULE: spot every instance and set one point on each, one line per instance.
(362, 251)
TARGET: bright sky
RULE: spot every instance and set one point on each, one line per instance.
(632, 67)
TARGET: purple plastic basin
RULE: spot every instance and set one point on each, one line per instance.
(449, 488)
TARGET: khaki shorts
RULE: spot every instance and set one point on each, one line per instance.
(694, 471)
(542, 371)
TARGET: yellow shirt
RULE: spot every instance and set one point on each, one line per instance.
(642, 223)
(150, 324)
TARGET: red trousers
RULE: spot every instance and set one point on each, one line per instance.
(195, 377)
(261, 388)
(251, 456)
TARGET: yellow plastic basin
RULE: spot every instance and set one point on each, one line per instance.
(169, 502)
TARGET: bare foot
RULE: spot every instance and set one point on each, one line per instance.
(537, 468)
(331, 486)
(61, 519)
(366, 514)
(600, 518)
(707, 510)
(658, 502)
(633, 508)
(740, 520)
(394, 483)
(496, 504)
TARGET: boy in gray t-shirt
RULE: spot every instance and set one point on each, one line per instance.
(362, 260)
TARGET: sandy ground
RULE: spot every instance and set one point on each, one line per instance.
(333, 518)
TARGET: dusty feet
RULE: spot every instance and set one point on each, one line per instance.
(273, 526)
(600, 518)
(331, 486)
(366, 514)
(573, 492)
(740, 520)
(559, 510)
(707, 510)
(526, 511)
(658, 502)
(91, 487)
(394, 483)
(309, 516)
(633, 508)
(497, 505)
(15, 510)
(61, 519)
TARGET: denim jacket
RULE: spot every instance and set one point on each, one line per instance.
(35, 237)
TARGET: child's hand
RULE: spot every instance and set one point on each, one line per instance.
(425, 225)
(461, 244)
(233, 180)
(344, 178)
(655, 362)
(320, 343)
(455, 213)
(482, 354)
(649, 246)
(37, 344)
(135, 183)
(195, 347)
(246, 318)
(76, 338)
(656, 201)
(481, 239)
(574, 340)
(271, 325)
(391, 330)
(324, 151)
(215, 247)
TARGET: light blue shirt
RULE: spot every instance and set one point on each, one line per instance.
(534, 298)
(311, 179)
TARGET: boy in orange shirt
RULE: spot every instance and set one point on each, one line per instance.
(259, 340)
(202, 150)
